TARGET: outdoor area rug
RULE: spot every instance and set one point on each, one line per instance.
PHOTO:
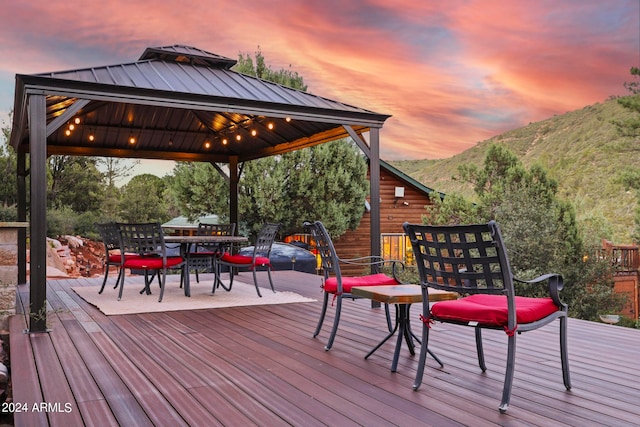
(241, 294)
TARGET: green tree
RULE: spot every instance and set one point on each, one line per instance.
(114, 169)
(75, 182)
(143, 199)
(285, 77)
(631, 128)
(540, 230)
(8, 189)
(328, 181)
(199, 189)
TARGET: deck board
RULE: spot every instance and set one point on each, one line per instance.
(260, 366)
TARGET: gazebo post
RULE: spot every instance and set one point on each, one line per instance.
(374, 177)
(233, 190)
(21, 169)
(38, 220)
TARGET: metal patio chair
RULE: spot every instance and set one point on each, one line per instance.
(147, 241)
(259, 259)
(112, 253)
(472, 260)
(204, 255)
(339, 286)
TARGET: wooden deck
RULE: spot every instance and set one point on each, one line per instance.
(260, 366)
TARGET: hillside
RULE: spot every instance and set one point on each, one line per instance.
(581, 150)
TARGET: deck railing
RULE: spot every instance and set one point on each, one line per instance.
(625, 258)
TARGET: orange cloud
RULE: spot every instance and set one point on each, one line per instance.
(450, 74)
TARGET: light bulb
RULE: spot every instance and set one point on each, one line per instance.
(77, 120)
(132, 140)
(270, 126)
(67, 132)
(238, 137)
(224, 141)
(254, 132)
(91, 138)
(72, 126)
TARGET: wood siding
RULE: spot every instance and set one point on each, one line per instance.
(356, 243)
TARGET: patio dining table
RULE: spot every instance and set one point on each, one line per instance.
(186, 242)
(402, 296)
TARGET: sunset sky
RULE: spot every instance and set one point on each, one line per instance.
(450, 73)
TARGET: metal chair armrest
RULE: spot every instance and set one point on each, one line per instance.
(554, 285)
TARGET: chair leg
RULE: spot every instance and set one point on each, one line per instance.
(270, 281)
(325, 303)
(336, 321)
(424, 346)
(255, 282)
(121, 287)
(162, 281)
(564, 355)
(104, 282)
(479, 349)
(216, 276)
(120, 273)
(218, 282)
(508, 375)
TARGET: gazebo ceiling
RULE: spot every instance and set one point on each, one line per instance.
(179, 103)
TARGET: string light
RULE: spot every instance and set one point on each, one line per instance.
(225, 141)
(287, 119)
(77, 120)
(207, 145)
(132, 140)
(91, 137)
(238, 138)
(270, 126)
(67, 132)
(72, 126)
(254, 132)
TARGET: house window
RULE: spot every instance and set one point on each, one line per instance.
(397, 246)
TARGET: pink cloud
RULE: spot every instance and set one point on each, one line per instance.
(449, 75)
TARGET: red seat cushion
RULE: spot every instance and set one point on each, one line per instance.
(380, 279)
(151, 263)
(116, 258)
(491, 310)
(245, 260)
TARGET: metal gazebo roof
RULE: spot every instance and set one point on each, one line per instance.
(180, 103)
(173, 103)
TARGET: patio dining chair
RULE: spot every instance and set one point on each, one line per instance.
(259, 259)
(112, 253)
(147, 241)
(204, 255)
(472, 260)
(338, 286)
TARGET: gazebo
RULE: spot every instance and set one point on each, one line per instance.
(173, 103)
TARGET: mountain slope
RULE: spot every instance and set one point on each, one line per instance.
(581, 150)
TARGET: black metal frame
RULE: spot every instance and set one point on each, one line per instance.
(261, 248)
(111, 240)
(146, 240)
(331, 266)
(472, 259)
(204, 255)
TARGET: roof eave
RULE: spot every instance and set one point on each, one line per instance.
(112, 93)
